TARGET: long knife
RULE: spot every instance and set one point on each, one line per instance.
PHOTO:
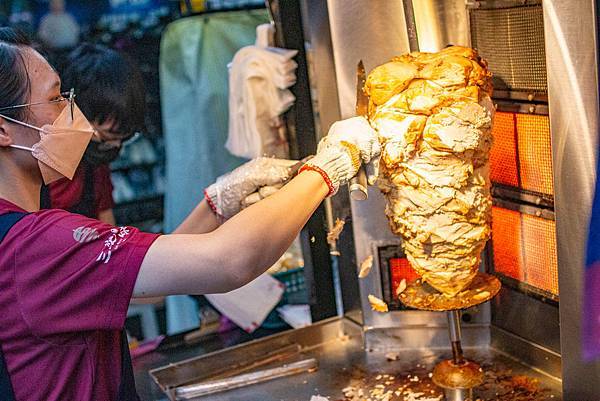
(358, 185)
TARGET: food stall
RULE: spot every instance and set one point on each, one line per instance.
(526, 340)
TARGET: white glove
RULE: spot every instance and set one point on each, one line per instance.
(226, 196)
(340, 154)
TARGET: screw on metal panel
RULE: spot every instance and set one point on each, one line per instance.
(530, 97)
(531, 109)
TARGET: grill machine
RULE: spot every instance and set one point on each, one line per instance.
(544, 58)
(538, 235)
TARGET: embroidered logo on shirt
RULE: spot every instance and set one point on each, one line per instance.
(116, 238)
(85, 234)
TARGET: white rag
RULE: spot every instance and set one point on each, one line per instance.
(249, 305)
(258, 95)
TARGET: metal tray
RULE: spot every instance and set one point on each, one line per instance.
(337, 344)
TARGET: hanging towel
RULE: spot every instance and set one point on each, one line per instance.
(258, 96)
(193, 62)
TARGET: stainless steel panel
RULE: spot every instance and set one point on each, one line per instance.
(321, 67)
(441, 23)
(570, 32)
(374, 31)
(428, 336)
(530, 319)
(527, 352)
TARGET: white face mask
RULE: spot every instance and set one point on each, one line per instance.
(61, 144)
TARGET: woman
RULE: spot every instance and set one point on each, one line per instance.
(110, 93)
(66, 280)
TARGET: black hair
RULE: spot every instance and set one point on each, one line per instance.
(108, 85)
(15, 87)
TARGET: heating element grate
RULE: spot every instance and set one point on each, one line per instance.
(521, 156)
(524, 249)
(511, 39)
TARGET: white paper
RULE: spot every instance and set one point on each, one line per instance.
(249, 305)
(296, 316)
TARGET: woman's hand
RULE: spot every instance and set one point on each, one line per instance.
(229, 194)
(340, 154)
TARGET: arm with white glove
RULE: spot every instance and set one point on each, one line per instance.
(240, 188)
(251, 240)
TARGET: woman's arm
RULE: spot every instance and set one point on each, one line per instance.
(201, 220)
(236, 252)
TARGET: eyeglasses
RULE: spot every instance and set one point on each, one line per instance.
(67, 96)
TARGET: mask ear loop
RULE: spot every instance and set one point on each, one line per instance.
(26, 148)
(23, 123)
(22, 148)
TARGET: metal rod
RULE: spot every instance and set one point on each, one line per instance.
(211, 387)
(411, 25)
(455, 336)
(458, 394)
(335, 266)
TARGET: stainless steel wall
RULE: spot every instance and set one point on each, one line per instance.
(363, 29)
(571, 56)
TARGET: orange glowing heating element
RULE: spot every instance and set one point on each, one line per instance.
(535, 153)
(524, 248)
(400, 269)
(507, 240)
(539, 241)
(521, 156)
(503, 156)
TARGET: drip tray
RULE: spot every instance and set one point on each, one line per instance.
(347, 372)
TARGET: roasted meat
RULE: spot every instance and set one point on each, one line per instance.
(433, 114)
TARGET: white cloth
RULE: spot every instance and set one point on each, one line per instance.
(265, 35)
(258, 95)
(249, 305)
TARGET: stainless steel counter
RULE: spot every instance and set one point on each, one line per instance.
(338, 346)
(175, 349)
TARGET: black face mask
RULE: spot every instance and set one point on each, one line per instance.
(96, 157)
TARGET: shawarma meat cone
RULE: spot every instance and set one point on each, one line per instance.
(433, 114)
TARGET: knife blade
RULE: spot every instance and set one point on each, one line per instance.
(358, 184)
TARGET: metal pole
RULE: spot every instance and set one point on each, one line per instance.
(335, 265)
(455, 336)
(411, 25)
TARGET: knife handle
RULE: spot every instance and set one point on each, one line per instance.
(358, 185)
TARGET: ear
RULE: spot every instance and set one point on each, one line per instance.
(5, 138)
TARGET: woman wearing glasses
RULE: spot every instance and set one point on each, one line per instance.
(66, 280)
(110, 93)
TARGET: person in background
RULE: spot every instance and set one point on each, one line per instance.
(110, 93)
(58, 29)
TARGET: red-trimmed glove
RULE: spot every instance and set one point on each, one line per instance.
(340, 154)
(228, 195)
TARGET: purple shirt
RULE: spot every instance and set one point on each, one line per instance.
(65, 285)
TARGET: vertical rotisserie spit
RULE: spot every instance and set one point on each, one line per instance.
(433, 113)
